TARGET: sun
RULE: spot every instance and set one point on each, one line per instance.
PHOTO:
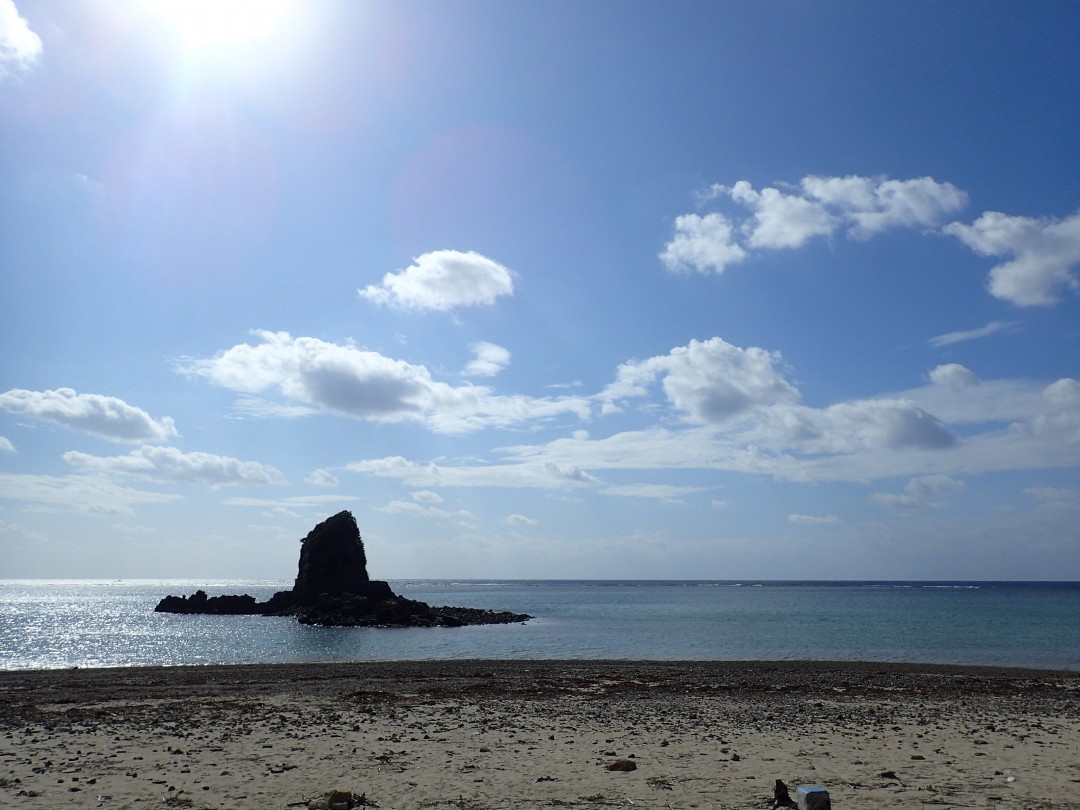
(216, 23)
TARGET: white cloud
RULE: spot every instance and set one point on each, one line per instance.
(20, 48)
(703, 244)
(848, 427)
(298, 501)
(763, 429)
(569, 472)
(426, 496)
(714, 382)
(718, 504)
(90, 494)
(876, 204)
(1056, 497)
(367, 385)
(958, 396)
(664, 492)
(124, 528)
(1045, 253)
(6, 445)
(170, 464)
(818, 207)
(322, 478)
(107, 417)
(813, 520)
(521, 520)
(443, 280)
(516, 475)
(780, 220)
(414, 509)
(489, 360)
(992, 328)
(953, 374)
(256, 408)
(709, 381)
(924, 492)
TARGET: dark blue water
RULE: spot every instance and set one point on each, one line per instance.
(56, 624)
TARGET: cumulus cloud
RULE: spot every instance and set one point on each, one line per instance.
(702, 244)
(443, 280)
(6, 446)
(958, 396)
(713, 382)
(813, 520)
(780, 220)
(569, 472)
(764, 429)
(709, 381)
(924, 492)
(848, 427)
(1044, 255)
(489, 360)
(426, 496)
(871, 205)
(20, 48)
(362, 384)
(521, 520)
(168, 464)
(953, 374)
(107, 417)
(322, 478)
(992, 328)
(790, 217)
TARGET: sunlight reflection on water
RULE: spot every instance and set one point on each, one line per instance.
(92, 624)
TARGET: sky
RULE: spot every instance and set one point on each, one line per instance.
(679, 290)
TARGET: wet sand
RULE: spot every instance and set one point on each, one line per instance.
(471, 735)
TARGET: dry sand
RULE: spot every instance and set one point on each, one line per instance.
(472, 735)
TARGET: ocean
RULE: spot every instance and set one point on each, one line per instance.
(52, 624)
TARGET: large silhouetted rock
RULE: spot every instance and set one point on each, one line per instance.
(332, 588)
(332, 560)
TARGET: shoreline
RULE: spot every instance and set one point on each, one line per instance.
(347, 667)
(494, 734)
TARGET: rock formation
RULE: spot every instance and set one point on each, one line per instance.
(332, 560)
(332, 588)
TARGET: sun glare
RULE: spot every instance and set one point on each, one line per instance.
(215, 23)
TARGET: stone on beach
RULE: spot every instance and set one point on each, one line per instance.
(475, 735)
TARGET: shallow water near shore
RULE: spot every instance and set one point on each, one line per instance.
(58, 624)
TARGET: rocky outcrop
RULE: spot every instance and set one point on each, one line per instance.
(332, 588)
(199, 602)
(332, 560)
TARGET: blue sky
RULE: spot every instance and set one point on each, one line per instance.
(574, 290)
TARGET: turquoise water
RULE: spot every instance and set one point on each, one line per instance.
(59, 624)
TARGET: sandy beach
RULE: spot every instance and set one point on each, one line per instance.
(472, 735)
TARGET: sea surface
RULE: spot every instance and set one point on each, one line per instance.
(87, 623)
